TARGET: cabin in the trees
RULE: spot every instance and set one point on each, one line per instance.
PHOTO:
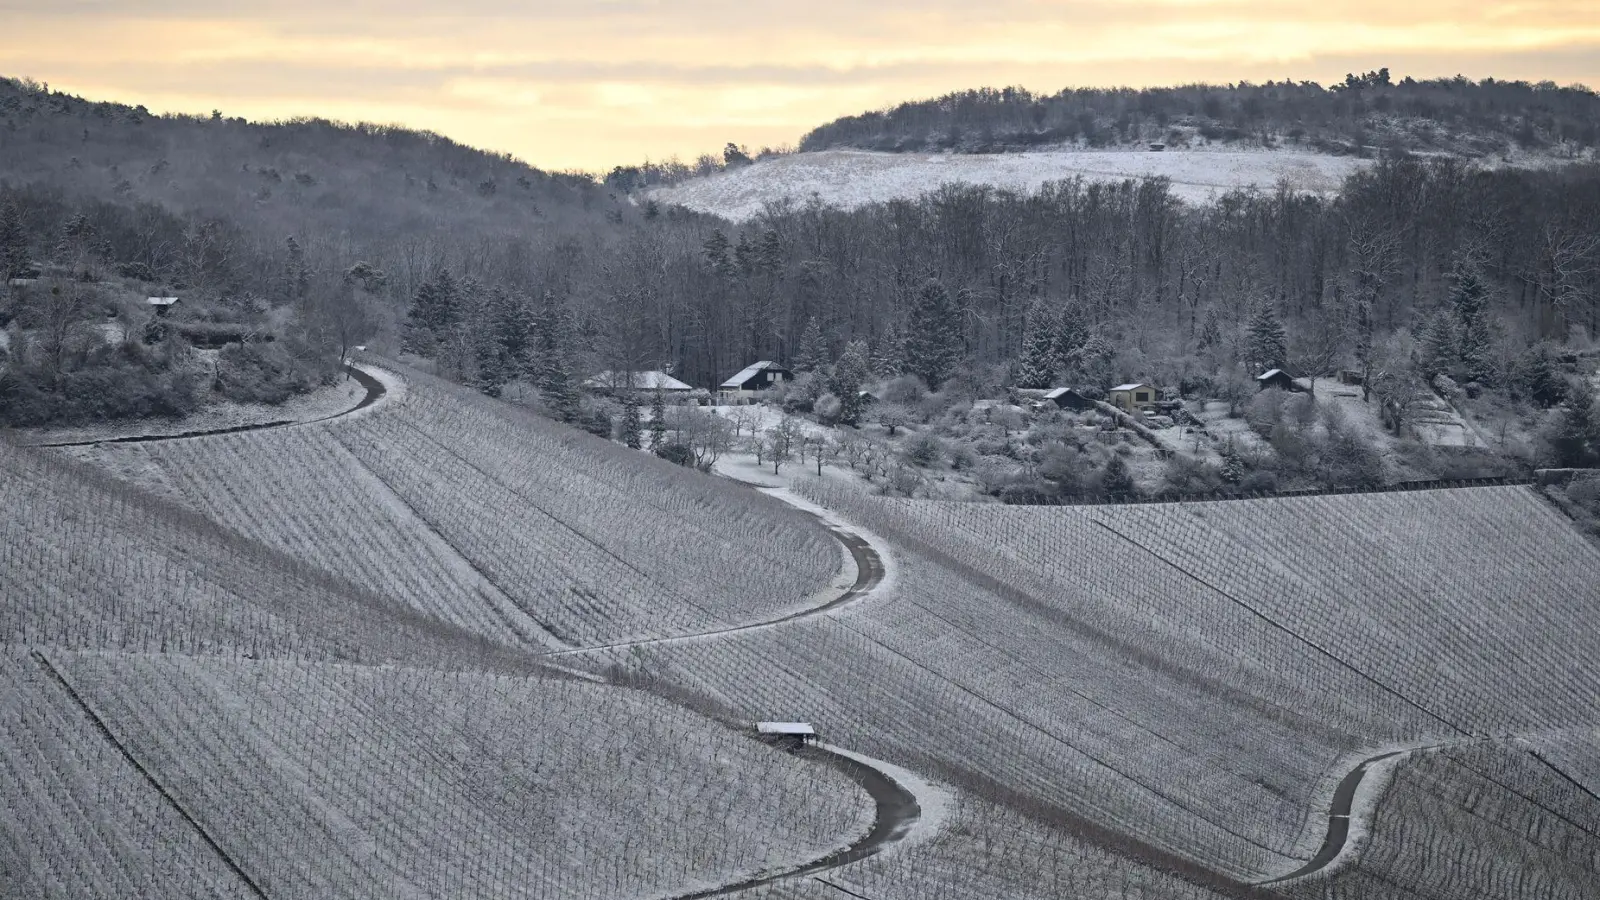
(162, 305)
(753, 380)
(1067, 398)
(1133, 397)
(1276, 378)
(789, 735)
(619, 382)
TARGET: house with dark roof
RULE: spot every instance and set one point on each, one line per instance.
(752, 380)
(1067, 398)
(1276, 378)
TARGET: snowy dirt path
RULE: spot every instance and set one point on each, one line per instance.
(375, 381)
(1355, 801)
(910, 810)
(871, 571)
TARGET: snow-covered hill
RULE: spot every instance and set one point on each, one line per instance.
(851, 178)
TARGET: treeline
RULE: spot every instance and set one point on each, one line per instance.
(1360, 115)
(1079, 283)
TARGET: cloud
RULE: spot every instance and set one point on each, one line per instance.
(598, 82)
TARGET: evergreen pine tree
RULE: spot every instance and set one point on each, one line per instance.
(934, 342)
(658, 420)
(1040, 351)
(812, 355)
(1576, 439)
(296, 277)
(435, 312)
(849, 373)
(889, 355)
(14, 256)
(1470, 297)
(1233, 469)
(1116, 480)
(716, 250)
(1439, 352)
(1540, 378)
(548, 358)
(632, 429)
(1267, 343)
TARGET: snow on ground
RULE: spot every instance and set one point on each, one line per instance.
(935, 802)
(851, 178)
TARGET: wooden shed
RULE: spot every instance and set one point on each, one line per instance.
(1132, 397)
(1276, 378)
(1067, 398)
(162, 305)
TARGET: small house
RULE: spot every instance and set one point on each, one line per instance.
(791, 735)
(1276, 378)
(162, 304)
(653, 380)
(754, 379)
(1132, 398)
(1067, 398)
(1351, 377)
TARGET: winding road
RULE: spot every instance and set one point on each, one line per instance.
(375, 391)
(869, 574)
(897, 809)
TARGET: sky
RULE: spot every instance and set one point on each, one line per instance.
(588, 84)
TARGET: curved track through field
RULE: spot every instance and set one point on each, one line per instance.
(375, 392)
(897, 807)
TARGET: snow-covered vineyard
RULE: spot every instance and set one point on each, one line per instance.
(442, 648)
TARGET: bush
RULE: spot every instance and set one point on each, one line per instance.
(676, 453)
(123, 382)
(1027, 493)
(924, 450)
(827, 409)
(268, 373)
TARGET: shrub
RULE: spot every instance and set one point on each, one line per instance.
(924, 450)
(676, 453)
(268, 373)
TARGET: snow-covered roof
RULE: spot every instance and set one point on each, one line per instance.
(1061, 392)
(642, 381)
(749, 372)
(1130, 387)
(785, 728)
(161, 301)
(1271, 373)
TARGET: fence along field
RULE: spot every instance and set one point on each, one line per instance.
(1043, 653)
(502, 523)
(325, 780)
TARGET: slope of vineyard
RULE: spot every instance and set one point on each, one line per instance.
(80, 821)
(1077, 658)
(89, 562)
(325, 780)
(1478, 822)
(301, 491)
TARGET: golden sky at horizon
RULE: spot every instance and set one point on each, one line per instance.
(593, 83)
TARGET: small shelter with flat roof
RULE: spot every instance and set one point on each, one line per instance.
(792, 735)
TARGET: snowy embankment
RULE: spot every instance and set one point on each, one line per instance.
(852, 178)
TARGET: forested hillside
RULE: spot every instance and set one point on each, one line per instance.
(499, 275)
(1363, 114)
